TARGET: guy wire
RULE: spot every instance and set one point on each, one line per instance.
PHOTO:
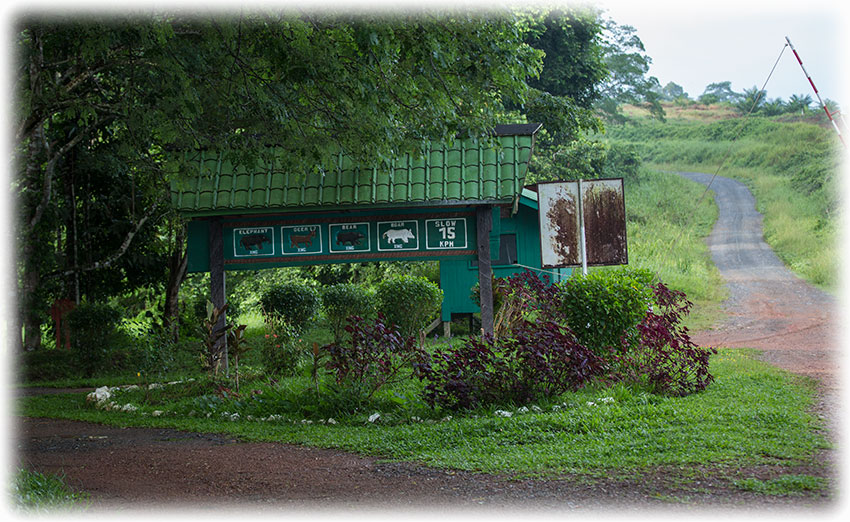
(727, 154)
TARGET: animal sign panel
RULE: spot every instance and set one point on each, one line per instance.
(253, 242)
(398, 235)
(302, 239)
(349, 237)
(281, 240)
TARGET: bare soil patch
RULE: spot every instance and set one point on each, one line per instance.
(143, 468)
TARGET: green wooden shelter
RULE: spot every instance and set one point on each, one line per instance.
(456, 202)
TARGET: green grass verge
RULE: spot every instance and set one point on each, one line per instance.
(37, 492)
(786, 485)
(666, 231)
(753, 414)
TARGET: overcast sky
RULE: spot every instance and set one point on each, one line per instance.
(697, 43)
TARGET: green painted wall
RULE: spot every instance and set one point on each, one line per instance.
(459, 277)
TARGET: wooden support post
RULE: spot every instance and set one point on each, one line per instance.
(484, 222)
(217, 284)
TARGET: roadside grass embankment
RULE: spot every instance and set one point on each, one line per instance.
(666, 230)
(791, 168)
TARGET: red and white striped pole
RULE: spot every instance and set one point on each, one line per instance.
(828, 114)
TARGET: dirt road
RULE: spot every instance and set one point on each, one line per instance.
(769, 309)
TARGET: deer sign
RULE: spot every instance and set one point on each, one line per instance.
(302, 240)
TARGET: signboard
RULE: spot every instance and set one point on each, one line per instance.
(270, 241)
(349, 237)
(253, 242)
(396, 236)
(446, 234)
(600, 210)
(301, 239)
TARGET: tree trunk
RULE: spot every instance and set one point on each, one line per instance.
(484, 222)
(30, 319)
(30, 280)
(177, 265)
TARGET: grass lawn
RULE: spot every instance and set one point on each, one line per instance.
(752, 415)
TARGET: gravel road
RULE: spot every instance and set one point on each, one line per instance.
(794, 324)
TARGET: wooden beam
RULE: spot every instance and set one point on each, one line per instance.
(430, 328)
(217, 283)
(484, 222)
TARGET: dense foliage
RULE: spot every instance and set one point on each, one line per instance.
(279, 349)
(604, 308)
(376, 354)
(662, 355)
(536, 359)
(612, 324)
(93, 334)
(343, 300)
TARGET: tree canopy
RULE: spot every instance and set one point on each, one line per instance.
(627, 81)
(125, 90)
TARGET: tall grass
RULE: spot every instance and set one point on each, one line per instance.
(35, 492)
(666, 226)
(791, 168)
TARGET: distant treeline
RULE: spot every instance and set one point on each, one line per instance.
(753, 100)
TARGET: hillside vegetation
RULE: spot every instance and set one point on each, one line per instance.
(791, 167)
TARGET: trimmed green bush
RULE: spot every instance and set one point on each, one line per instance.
(343, 300)
(605, 306)
(408, 302)
(295, 301)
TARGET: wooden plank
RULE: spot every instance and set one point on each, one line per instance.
(484, 221)
(430, 328)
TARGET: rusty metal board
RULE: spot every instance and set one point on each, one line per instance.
(604, 215)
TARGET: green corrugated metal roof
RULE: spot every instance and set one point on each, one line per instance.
(462, 171)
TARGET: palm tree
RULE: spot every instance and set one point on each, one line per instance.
(773, 107)
(752, 99)
(799, 103)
